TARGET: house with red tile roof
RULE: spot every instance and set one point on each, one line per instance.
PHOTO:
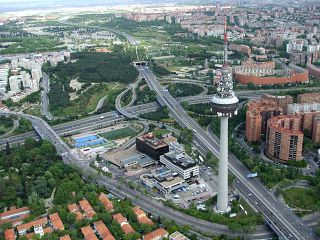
(102, 230)
(14, 215)
(23, 228)
(39, 231)
(87, 208)
(65, 237)
(56, 222)
(74, 208)
(126, 227)
(106, 202)
(141, 216)
(157, 234)
(88, 233)
(9, 234)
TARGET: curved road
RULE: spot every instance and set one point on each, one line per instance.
(119, 189)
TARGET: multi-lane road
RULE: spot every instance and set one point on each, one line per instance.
(279, 217)
(45, 84)
(116, 187)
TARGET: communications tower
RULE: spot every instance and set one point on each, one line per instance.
(225, 105)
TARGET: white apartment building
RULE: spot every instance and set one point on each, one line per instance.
(180, 163)
(4, 73)
(15, 83)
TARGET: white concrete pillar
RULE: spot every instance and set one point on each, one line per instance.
(222, 201)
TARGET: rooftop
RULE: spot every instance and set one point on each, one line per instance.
(87, 208)
(56, 221)
(106, 202)
(182, 160)
(140, 158)
(27, 226)
(65, 237)
(9, 234)
(88, 233)
(23, 210)
(103, 230)
(156, 234)
(150, 139)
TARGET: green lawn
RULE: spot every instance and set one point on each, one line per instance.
(301, 198)
(119, 133)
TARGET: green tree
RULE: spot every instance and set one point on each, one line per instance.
(36, 204)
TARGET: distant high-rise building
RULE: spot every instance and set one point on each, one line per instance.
(258, 113)
(284, 139)
(4, 73)
(308, 98)
(316, 129)
(15, 83)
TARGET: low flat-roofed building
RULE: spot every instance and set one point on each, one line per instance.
(56, 222)
(102, 230)
(106, 202)
(177, 236)
(65, 237)
(180, 163)
(139, 159)
(169, 184)
(126, 227)
(141, 216)
(88, 233)
(157, 234)
(23, 228)
(9, 234)
(14, 215)
(87, 208)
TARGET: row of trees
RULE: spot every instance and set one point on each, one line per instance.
(184, 89)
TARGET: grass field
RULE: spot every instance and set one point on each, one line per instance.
(119, 133)
(301, 198)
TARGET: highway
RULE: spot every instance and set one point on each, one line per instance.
(279, 217)
(116, 187)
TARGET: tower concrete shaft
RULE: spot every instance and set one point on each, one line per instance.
(225, 105)
(222, 201)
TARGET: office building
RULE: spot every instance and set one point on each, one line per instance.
(180, 163)
(151, 146)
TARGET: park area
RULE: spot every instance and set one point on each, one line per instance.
(301, 198)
